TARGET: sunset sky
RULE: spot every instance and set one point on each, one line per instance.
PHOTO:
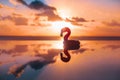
(31, 46)
(47, 17)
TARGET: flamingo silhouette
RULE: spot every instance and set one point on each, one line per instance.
(68, 44)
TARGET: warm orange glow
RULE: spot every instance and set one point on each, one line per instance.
(64, 13)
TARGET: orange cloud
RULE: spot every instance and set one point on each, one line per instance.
(77, 21)
(113, 47)
(112, 23)
(1, 6)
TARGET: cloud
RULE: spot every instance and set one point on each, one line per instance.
(43, 9)
(42, 56)
(21, 48)
(4, 51)
(77, 24)
(18, 20)
(16, 14)
(17, 70)
(38, 64)
(51, 15)
(13, 2)
(16, 51)
(77, 21)
(113, 23)
(51, 53)
(36, 49)
(6, 8)
(22, 1)
(1, 6)
(82, 50)
(48, 11)
(8, 27)
(41, 59)
(16, 2)
(113, 47)
(36, 4)
(44, 59)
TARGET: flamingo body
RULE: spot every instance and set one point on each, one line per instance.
(71, 44)
(68, 44)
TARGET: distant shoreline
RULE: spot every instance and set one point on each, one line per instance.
(58, 38)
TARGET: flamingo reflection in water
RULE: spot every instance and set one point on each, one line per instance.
(68, 44)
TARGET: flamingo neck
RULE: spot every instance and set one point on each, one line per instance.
(67, 35)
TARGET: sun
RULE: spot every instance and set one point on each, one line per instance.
(58, 25)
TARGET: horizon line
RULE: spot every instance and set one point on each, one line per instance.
(58, 38)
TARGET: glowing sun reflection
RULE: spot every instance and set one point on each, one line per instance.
(58, 44)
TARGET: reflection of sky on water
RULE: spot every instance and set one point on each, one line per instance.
(35, 60)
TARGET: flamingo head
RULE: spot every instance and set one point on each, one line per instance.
(65, 29)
